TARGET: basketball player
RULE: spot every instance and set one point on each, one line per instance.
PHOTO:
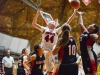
(87, 38)
(38, 59)
(49, 39)
(68, 50)
(22, 67)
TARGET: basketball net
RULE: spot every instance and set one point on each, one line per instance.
(46, 16)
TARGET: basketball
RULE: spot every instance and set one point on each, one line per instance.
(74, 3)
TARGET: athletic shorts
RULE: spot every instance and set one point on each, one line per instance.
(68, 69)
(89, 66)
(81, 72)
(20, 71)
(36, 73)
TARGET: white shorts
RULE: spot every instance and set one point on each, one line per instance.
(49, 61)
(81, 72)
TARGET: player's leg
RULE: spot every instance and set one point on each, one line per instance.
(74, 69)
(57, 70)
(93, 60)
(64, 69)
(49, 62)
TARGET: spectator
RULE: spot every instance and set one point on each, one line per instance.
(7, 64)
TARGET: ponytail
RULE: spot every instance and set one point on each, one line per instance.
(63, 40)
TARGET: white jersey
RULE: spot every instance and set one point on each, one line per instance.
(49, 38)
(8, 61)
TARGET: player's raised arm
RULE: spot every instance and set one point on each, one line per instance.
(72, 16)
(80, 23)
(76, 5)
(68, 21)
(34, 22)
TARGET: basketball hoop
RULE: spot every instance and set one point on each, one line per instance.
(46, 16)
(34, 5)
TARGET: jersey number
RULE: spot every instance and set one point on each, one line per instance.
(47, 38)
(72, 49)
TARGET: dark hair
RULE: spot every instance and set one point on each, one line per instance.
(96, 28)
(23, 50)
(36, 47)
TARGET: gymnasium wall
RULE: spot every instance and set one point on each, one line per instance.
(13, 43)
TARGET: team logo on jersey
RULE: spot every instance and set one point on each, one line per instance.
(39, 62)
(19, 61)
(50, 33)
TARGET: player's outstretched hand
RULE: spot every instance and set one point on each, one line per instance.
(38, 11)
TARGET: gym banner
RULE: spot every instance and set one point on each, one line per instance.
(86, 2)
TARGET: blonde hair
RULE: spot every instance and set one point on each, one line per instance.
(66, 27)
